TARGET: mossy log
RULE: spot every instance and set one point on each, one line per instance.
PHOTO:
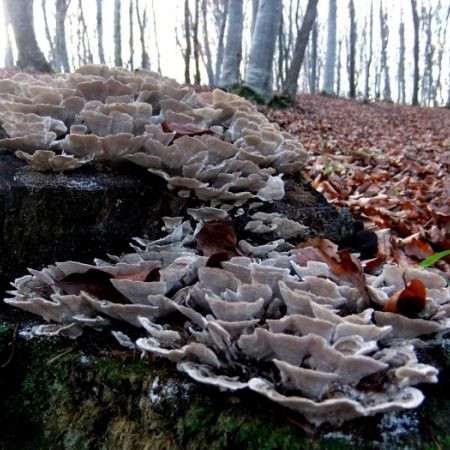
(60, 394)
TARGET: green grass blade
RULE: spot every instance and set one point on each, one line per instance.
(434, 258)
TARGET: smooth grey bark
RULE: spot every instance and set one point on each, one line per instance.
(258, 76)
(416, 23)
(196, 42)
(313, 57)
(255, 5)
(62, 59)
(220, 18)
(330, 62)
(142, 23)
(401, 65)
(117, 34)
(101, 52)
(30, 55)
(339, 68)
(207, 49)
(48, 35)
(9, 58)
(131, 36)
(233, 47)
(188, 49)
(370, 55)
(290, 87)
(427, 79)
(384, 35)
(155, 37)
(352, 51)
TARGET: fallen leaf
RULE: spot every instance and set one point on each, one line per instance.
(410, 301)
(217, 237)
(184, 129)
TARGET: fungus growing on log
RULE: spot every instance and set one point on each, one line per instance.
(304, 327)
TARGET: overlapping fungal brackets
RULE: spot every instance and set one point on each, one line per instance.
(214, 144)
(268, 324)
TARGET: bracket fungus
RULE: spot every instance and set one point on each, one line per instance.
(303, 327)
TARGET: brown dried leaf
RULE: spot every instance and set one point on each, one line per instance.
(217, 237)
(184, 129)
(410, 301)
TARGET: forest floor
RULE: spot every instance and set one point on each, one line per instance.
(389, 164)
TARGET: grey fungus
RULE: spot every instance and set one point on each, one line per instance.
(290, 331)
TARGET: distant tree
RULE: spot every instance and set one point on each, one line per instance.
(401, 64)
(206, 55)
(117, 34)
(384, 36)
(85, 57)
(369, 54)
(188, 48)
(313, 45)
(195, 24)
(233, 46)
(416, 23)
(290, 87)
(9, 59)
(352, 50)
(258, 75)
(330, 62)
(220, 14)
(62, 59)
(30, 55)
(101, 53)
(141, 17)
(131, 34)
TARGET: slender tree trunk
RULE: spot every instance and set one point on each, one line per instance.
(196, 42)
(9, 58)
(370, 56)
(117, 35)
(142, 23)
(427, 91)
(48, 34)
(415, 96)
(30, 55)
(290, 87)
(87, 53)
(221, 17)
(233, 47)
(313, 68)
(207, 51)
(101, 53)
(352, 51)
(384, 34)
(155, 38)
(281, 76)
(330, 62)
(258, 76)
(131, 36)
(401, 65)
(339, 68)
(62, 59)
(187, 52)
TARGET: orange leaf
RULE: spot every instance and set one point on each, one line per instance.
(410, 301)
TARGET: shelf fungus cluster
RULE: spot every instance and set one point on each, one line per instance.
(291, 331)
(303, 327)
(213, 144)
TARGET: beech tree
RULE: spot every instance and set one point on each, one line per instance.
(101, 53)
(290, 87)
(62, 59)
(384, 35)
(258, 75)
(233, 47)
(415, 96)
(352, 51)
(30, 56)
(117, 34)
(330, 62)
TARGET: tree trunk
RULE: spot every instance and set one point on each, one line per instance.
(30, 55)
(352, 51)
(62, 59)
(330, 62)
(117, 35)
(9, 58)
(207, 51)
(101, 53)
(290, 87)
(255, 6)
(370, 55)
(131, 36)
(187, 34)
(258, 76)
(142, 23)
(233, 47)
(384, 34)
(155, 37)
(401, 65)
(313, 69)
(196, 42)
(415, 96)
(221, 17)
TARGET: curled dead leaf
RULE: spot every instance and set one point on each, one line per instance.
(410, 301)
